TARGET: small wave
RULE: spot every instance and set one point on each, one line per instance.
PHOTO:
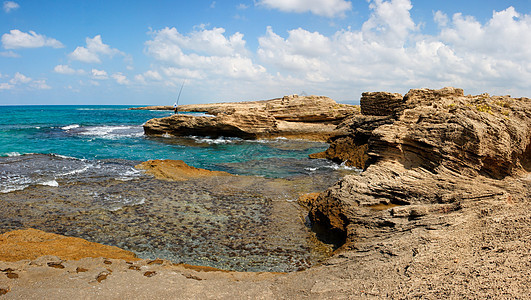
(74, 172)
(112, 132)
(220, 140)
(12, 154)
(73, 126)
(49, 183)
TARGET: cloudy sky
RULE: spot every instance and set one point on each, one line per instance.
(140, 52)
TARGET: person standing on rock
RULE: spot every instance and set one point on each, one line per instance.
(175, 107)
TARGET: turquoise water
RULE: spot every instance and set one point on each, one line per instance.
(114, 132)
(70, 170)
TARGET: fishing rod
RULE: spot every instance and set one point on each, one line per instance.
(179, 97)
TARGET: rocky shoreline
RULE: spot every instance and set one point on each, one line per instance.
(441, 209)
(299, 117)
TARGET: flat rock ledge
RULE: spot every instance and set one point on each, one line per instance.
(176, 170)
(299, 117)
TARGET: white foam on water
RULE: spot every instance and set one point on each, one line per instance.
(73, 172)
(130, 174)
(217, 141)
(13, 154)
(50, 183)
(13, 183)
(73, 126)
(112, 132)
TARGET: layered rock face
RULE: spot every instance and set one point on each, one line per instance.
(311, 117)
(428, 153)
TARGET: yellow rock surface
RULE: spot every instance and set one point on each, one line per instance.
(176, 170)
(32, 243)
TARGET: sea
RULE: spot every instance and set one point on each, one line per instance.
(71, 170)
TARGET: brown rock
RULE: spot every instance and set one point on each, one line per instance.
(102, 276)
(381, 103)
(311, 117)
(441, 151)
(31, 244)
(176, 170)
(56, 265)
(150, 273)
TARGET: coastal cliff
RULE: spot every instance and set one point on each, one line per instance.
(432, 158)
(306, 117)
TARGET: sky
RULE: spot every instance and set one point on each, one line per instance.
(141, 52)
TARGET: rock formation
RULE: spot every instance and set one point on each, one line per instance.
(32, 243)
(428, 153)
(176, 170)
(440, 211)
(311, 117)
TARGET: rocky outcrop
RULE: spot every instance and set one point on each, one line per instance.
(32, 243)
(310, 117)
(435, 153)
(176, 170)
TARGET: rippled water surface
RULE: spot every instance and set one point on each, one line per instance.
(70, 170)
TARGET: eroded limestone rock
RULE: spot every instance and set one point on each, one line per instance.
(310, 117)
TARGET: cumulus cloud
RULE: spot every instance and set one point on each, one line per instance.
(93, 51)
(10, 6)
(326, 8)
(120, 78)
(5, 86)
(65, 69)
(205, 51)
(390, 53)
(21, 80)
(16, 39)
(99, 74)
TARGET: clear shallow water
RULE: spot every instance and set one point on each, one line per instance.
(70, 170)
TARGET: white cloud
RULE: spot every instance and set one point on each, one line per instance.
(326, 8)
(9, 54)
(65, 69)
(99, 74)
(93, 50)
(40, 85)
(19, 78)
(440, 18)
(10, 6)
(17, 39)
(388, 52)
(5, 86)
(120, 78)
(205, 51)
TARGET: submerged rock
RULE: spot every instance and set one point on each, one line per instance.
(307, 117)
(176, 170)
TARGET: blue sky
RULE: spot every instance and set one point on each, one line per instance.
(140, 52)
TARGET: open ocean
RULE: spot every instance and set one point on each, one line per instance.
(70, 170)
